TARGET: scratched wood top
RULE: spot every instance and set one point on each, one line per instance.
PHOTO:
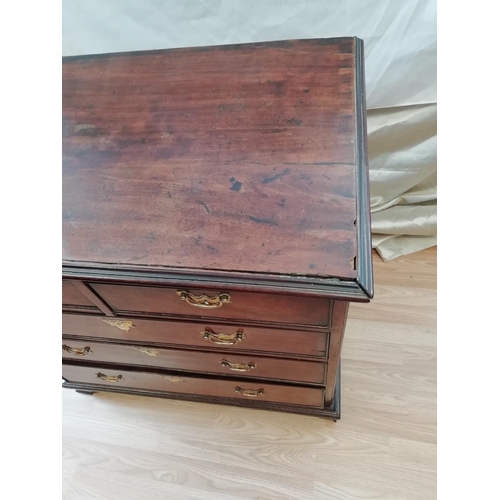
(232, 158)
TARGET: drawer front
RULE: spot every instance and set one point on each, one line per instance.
(256, 391)
(240, 305)
(72, 298)
(228, 364)
(223, 338)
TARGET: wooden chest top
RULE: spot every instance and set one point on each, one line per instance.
(242, 163)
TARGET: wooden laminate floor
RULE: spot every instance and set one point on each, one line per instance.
(384, 447)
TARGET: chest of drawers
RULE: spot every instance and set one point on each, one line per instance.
(215, 221)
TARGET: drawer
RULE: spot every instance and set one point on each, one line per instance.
(232, 305)
(223, 338)
(72, 298)
(256, 391)
(240, 365)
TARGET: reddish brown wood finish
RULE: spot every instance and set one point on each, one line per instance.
(73, 300)
(172, 333)
(71, 296)
(236, 158)
(213, 363)
(339, 320)
(244, 306)
(304, 396)
(85, 289)
(238, 168)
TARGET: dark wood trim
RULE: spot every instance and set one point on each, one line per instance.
(337, 397)
(330, 313)
(70, 309)
(203, 48)
(363, 223)
(91, 295)
(331, 412)
(330, 288)
(340, 310)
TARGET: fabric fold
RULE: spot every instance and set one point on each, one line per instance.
(402, 148)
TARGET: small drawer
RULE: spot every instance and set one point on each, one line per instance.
(240, 365)
(253, 390)
(73, 299)
(255, 307)
(223, 338)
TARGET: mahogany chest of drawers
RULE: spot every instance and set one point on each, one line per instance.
(215, 222)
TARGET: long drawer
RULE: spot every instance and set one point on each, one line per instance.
(221, 337)
(286, 309)
(257, 391)
(214, 363)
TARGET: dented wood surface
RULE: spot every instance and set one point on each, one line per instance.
(234, 158)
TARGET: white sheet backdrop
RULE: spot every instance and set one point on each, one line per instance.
(400, 48)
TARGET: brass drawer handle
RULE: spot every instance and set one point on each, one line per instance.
(146, 350)
(249, 392)
(83, 351)
(204, 301)
(122, 324)
(109, 378)
(223, 338)
(238, 367)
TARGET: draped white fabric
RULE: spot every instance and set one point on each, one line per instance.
(402, 150)
(400, 48)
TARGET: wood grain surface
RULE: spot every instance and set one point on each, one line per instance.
(240, 365)
(257, 391)
(243, 306)
(121, 447)
(71, 296)
(236, 158)
(181, 334)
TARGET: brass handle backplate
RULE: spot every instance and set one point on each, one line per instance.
(148, 351)
(82, 351)
(109, 378)
(223, 338)
(238, 367)
(249, 392)
(122, 324)
(204, 301)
